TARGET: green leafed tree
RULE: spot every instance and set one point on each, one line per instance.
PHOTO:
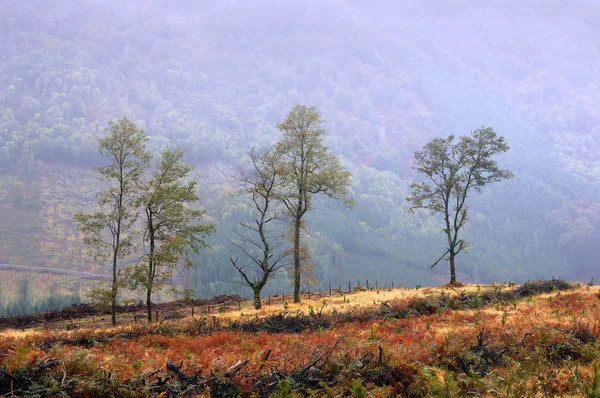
(173, 230)
(256, 242)
(452, 170)
(309, 169)
(109, 232)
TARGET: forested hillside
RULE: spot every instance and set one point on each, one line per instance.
(214, 79)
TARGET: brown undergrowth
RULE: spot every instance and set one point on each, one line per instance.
(538, 339)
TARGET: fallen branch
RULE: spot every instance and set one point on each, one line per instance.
(325, 355)
(235, 368)
(48, 363)
(265, 360)
(177, 370)
(2, 371)
(139, 318)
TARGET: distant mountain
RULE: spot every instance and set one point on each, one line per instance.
(214, 79)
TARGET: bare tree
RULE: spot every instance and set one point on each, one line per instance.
(260, 249)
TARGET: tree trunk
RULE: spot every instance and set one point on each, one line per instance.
(257, 302)
(150, 281)
(149, 303)
(113, 295)
(452, 270)
(297, 224)
(117, 249)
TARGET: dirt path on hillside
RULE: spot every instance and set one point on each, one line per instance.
(54, 271)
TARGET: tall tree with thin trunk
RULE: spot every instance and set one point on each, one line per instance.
(257, 244)
(452, 171)
(108, 232)
(309, 169)
(172, 228)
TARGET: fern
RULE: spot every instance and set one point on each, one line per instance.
(591, 388)
(283, 390)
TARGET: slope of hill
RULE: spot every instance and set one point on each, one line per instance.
(215, 80)
(529, 340)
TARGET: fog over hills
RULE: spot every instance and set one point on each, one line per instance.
(214, 79)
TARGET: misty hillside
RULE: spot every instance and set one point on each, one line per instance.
(215, 79)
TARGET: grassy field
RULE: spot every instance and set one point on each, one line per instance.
(540, 340)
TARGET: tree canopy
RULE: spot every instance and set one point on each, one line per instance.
(309, 168)
(452, 171)
(172, 225)
(109, 232)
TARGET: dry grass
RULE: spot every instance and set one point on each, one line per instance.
(532, 343)
(275, 305)
(337, 302)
